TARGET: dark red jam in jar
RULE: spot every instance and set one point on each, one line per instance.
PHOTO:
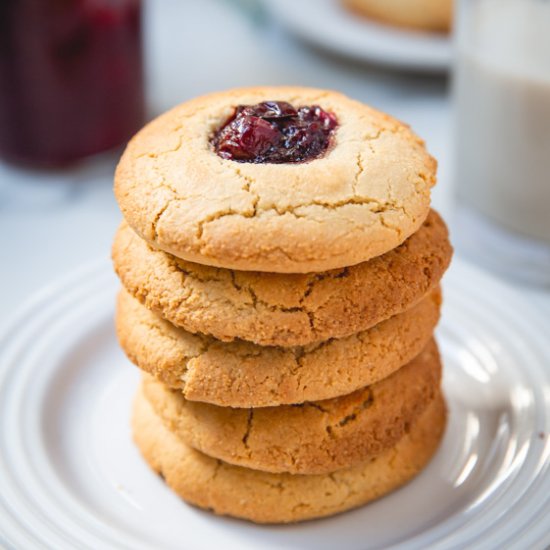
(275, 132)
(71, 78)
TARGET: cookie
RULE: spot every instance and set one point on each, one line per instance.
(427, 15)
(242, 374)
(311, 438)
(360, 198)
(282, 498)
(283, 309)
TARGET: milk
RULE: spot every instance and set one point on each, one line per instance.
(502, 117)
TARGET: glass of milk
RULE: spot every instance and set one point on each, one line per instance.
(502, 134)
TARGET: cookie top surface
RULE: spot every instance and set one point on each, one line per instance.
(280, 498)
(315, 437)
(242, 374)
(364, 196)
(283, 309)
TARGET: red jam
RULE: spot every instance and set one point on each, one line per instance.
(275, 132)
(71, 78)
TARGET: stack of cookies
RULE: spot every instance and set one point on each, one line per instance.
(280, 267)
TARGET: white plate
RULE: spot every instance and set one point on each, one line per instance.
(326, 24)
(71, 478)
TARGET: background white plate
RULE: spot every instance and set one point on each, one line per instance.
(326, 24)
(71, 478)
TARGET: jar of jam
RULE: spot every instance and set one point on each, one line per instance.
(71, 78)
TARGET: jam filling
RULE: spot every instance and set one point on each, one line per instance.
(275, 132)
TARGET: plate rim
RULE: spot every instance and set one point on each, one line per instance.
(100, 266)
(399, 58)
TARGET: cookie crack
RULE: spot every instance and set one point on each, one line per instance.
(155, 221)
(230, 277)
(360, 170)
(233, 277)
(390, 226)
(254, 299)
(248, 428)
(311, 320)
(247, 188)
(313, 405)
(318, 277)
(201, 340)
(365, 404)
(378, 206)
(330, 428)
(214, 217)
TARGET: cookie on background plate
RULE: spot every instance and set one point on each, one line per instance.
(311, 438)
(242, 374)
(282, 498)
(425, 15)
(283, 309)
(206, 181)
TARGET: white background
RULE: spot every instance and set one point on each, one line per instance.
(52, 222)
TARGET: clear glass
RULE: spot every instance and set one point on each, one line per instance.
(71, 78)
(502, 122)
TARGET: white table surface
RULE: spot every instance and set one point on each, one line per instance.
(52, 222)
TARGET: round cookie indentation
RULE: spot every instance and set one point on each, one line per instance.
(242, 374)
(363, 198)
(283, 498)
(277, 309)
(312, 438)
(275, 132)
